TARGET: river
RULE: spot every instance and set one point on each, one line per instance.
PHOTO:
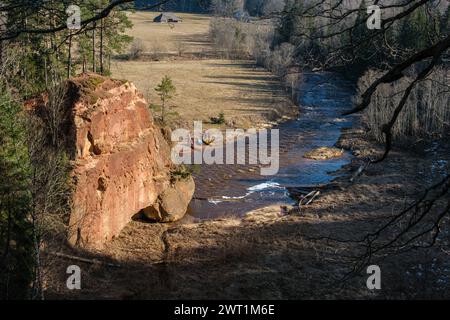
(231, 190)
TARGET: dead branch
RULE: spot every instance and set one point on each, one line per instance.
(360, 170)
(85, 260)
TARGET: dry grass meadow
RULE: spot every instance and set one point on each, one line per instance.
(191, 35)
(246, 94)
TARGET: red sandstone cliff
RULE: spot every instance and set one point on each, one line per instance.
(121, 160)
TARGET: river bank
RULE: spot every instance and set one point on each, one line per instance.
(269, 254)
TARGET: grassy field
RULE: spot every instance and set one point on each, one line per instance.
(190, 36)
(247, 95)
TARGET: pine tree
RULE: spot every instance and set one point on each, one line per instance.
(415, 30)
(166, 89)
(16, 246)
(103, 39)
(290, 21)
(444, 24)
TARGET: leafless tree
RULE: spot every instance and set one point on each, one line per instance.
(137, 49)
(328, 22)
(50, 184)
(226, 8)
(273, 7)
(426, 113)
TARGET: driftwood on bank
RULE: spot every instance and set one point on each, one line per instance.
(308, 198)
(299, 191)
(360, 170)
(305, 195)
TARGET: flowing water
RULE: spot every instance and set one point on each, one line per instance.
(235, 189)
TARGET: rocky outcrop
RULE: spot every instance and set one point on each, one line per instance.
(172, 204)
(121, 161)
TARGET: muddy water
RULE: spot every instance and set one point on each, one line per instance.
(235, 189)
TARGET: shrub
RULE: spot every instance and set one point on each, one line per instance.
(239, 40)
(183, 172)
(181, 48)
(137, 49)
(218, 120)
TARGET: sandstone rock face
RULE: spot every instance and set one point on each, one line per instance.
(173, 202)
(121, 160)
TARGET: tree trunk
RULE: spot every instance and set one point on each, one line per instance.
(94, 67)
(38, 293)
(1, 52)
(46, 71)
(69, 59)
(163, 108)
(101, 45)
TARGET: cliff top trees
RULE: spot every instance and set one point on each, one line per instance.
(101, 40)
(48, 49)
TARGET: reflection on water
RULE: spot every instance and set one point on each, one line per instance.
(236, 189)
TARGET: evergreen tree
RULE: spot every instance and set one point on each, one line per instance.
(290, 22)
(166, 90)
(16, 245)
(102, 40)
(415, 30)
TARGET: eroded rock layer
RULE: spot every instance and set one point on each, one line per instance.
(121, 159)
